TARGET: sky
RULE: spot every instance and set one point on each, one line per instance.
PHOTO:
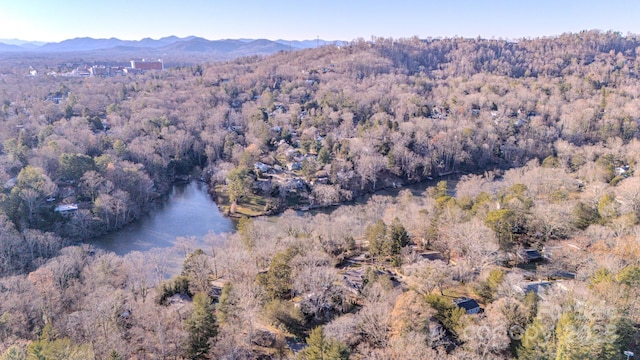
(47, 20)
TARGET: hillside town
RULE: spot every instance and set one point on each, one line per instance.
(83, 71)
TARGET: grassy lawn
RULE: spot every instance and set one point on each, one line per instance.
(250, 205)
(461, 291)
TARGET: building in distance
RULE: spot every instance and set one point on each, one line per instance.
(145, 65)
(66, 209)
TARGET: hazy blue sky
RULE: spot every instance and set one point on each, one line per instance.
(47, 20)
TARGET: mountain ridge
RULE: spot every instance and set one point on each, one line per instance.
(188, 44)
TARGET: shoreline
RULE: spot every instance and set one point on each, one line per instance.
(359, 197)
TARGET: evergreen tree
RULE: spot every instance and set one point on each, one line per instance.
(201, 326)
(239, 183)
(73, 166)
(324, 156)
(486, 289)
(376, 236)
(277, 280)
(399, 237)
(225, 304)
(14, 352)
(566, 333)
(449, 314)
(630, 276)
(246, 231)
(535, 342)
(321, 348)
(504, 223)
(60, 349)
(584, 215)
(440, 190)
(114, 355)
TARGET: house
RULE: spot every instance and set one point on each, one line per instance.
(292, 153)
(216, 286)
(324, 180)
(66, 208)
(431, 255)
(179, 299)
(295, 184)
(538, 287)
(549, 251)
(81, 72)
(562, 274)
(147, 65)
(469, 305)
(295, 166)
(131, 71)
(56, 98)
(264, 186)
(622, 171)
(354, 280)
(530, 255)
(116, 70)
(10, 183)
(262, 167)
(215, 293)
(99, 70)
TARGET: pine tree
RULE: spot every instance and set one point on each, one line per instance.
(239, 183)
(440, 190)
(535, 344)
(321, 348)
(324, 156)
(486, 289)
(201, 326)
(566, 335)
(399, 237)
(225, 304)
(503, 222)
(450, 315)
(14, 352)
(376, 236)
(277, 280)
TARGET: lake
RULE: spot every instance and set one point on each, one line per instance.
(187, 211)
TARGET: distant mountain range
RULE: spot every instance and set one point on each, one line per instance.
(167, 45)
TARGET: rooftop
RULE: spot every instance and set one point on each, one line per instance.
(537, 287)
(66, 208)
(470, 305)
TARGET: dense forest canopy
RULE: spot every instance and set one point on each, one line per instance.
(546, 131)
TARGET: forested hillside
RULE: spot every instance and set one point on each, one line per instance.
(539, 225)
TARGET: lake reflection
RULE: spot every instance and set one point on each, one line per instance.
(188, 211)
